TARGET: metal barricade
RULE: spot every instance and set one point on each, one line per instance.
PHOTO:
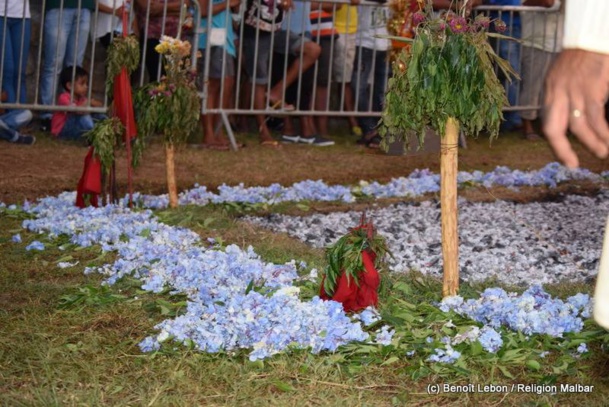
(330, 88)
(364, 101)
(73, 35)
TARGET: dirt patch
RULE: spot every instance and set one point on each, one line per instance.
(50, 167)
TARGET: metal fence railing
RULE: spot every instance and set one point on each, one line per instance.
(324, 60)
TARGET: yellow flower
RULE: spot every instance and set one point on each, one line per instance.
(162, 48)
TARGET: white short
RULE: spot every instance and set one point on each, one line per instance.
(344, 56)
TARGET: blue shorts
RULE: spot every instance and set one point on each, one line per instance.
(256, 54)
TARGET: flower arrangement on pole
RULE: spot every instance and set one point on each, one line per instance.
(171, 106)
(447, 81)
(118, 129)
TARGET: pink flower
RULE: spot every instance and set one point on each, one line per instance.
(482, 21)
(500, 26)
(418, 18)
(458, 25)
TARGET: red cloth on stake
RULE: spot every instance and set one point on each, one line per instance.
(123, 103)
(355, 297)
(90, 180)
(123, 109)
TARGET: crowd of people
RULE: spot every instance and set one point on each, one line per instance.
(284, 54)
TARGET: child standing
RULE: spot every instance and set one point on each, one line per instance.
(72, 125)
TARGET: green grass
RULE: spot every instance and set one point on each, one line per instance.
(67, 340)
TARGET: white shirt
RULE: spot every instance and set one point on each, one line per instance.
(372, 23)
(543, 30)
(15, 8)
(586, 25)
(105, 23)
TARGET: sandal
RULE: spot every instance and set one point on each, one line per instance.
(279, 105)
(216, 147)
(372, 140)
(532, 136)
(270, 144)
(210, 146)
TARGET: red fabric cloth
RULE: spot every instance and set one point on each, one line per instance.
(123, 109)
(355, 297)
(123, 103)
(90, 181)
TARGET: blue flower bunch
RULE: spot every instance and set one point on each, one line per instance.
(369, 316)
(550, 175)
(384, 336)
(35, 245)
(488, 337)
(447, 355)
(266, 324)
(490, 340)
(105, 226)
(235, 300)
(419, 182)
(301, 191)
(532, 312)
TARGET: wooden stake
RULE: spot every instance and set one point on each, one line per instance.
(172, 188)
(448, 202)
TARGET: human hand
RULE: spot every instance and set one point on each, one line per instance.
(577, 88)
(355, 2)
(96, 103)
(234, 3)
(118, 12)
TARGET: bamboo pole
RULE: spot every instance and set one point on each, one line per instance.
(172, 188)
(448, 202)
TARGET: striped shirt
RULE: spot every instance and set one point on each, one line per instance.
(322, 24)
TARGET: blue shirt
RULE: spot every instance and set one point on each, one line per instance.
(299, 18)
(221, 20)
(506, 16)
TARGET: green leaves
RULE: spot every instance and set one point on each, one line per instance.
(444, 75)
(90, 295)
(123, 52)
(171, 109)
(105, 137)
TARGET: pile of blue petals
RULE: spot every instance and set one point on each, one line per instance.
(419, 182)
(533, 312)
(222, 314)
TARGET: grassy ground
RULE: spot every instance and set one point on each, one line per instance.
(68, 341)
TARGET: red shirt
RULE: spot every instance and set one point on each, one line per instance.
(156, 26)
(59, 118)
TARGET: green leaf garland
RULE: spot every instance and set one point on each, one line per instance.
(346, 255)
(448, 72)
